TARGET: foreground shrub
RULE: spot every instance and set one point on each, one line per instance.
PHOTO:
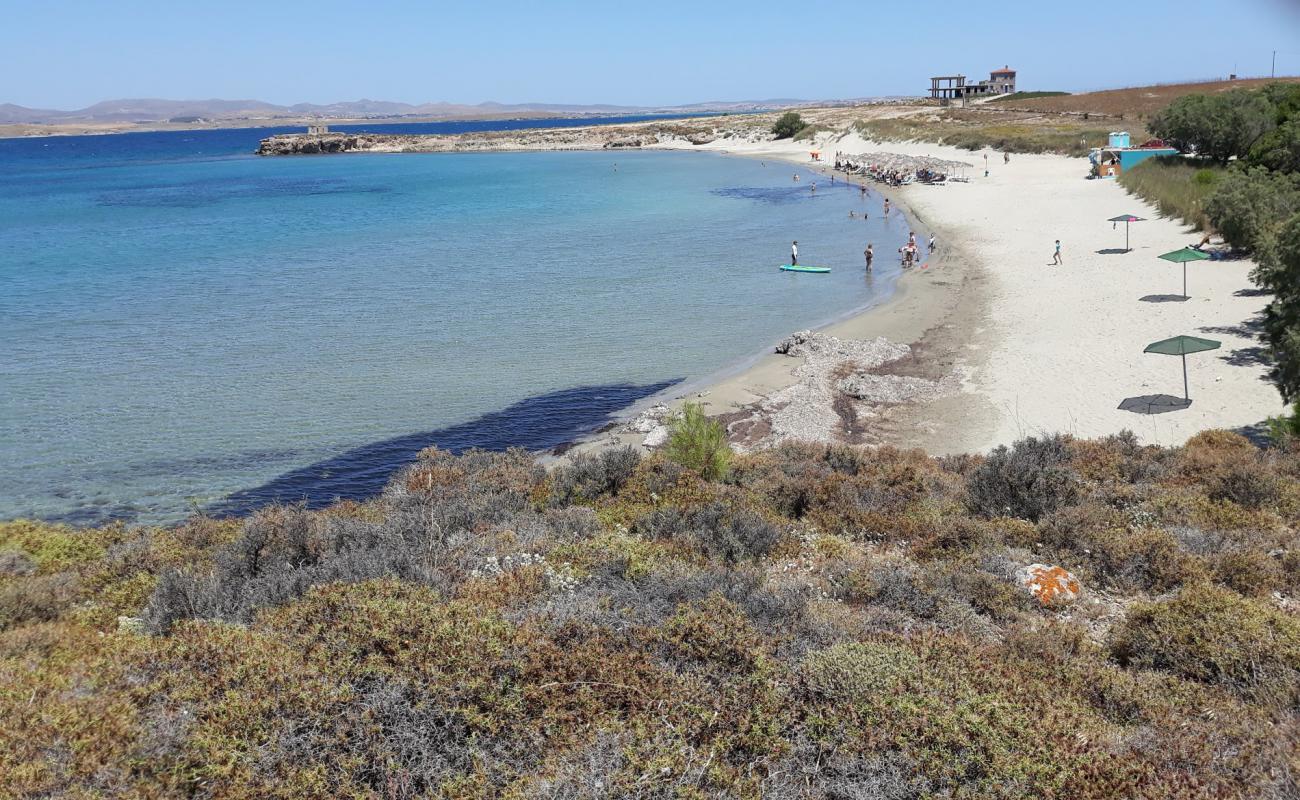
(831, 622)
(589, 477)
(1216, 636)
(1030, 480)
(851, 672)
(732, 535)
(699, 443)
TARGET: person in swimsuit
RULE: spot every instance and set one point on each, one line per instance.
(1056, 257)
(870, 256)
(794, 254)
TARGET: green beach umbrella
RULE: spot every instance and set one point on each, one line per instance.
(1181, 346)
(1126, 219)
(1182, 257)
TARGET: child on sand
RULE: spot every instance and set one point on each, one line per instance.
(1056, 257)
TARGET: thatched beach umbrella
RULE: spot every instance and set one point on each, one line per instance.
(1126, 219)
(1181, 346)
(1182, 257)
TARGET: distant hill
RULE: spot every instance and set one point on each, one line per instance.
(10, 113)
(157, 110)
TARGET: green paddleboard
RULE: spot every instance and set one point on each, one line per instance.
(801, 268)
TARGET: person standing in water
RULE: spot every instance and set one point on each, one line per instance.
(794, 254)
(870, 256)
(886, 206)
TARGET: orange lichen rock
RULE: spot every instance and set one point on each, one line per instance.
(1050, 586)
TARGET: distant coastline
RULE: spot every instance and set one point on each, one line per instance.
(90, 128)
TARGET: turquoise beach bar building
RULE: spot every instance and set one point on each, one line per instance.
(1119, 155)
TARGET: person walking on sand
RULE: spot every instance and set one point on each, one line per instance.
(794, 254)
(1006, 157)
(870, 256)
(1056, 257)
(986, 165)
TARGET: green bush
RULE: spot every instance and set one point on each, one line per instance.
(1217, 636)
(1279, 272)
(788, 124)
(1250, 205)
(699, 443)
(1219, 126)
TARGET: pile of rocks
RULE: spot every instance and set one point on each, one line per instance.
(806, 410)
(653, 423)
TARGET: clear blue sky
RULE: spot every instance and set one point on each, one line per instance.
(66, 54)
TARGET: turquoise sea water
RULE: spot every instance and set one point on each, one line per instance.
(183, 325)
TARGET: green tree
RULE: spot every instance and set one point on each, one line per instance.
(1219, 126)
(697, 442)
(1279, 272)
(788, 125)
(1250, 204)
(1279, 149)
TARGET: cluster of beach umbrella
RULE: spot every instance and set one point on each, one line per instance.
(1181, 346)
(905, 163)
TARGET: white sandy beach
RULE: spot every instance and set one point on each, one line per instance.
(1052, 348)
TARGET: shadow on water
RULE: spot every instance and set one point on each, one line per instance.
(537, 423)
(778, 195)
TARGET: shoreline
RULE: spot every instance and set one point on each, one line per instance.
(924, 310)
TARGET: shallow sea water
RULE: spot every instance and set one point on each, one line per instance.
(184, 325)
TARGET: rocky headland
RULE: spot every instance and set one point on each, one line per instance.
(604, 137)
